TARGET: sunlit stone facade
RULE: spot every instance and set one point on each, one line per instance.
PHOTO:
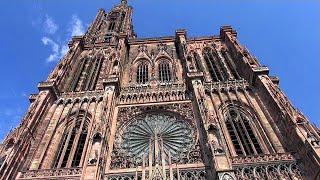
(124, 108)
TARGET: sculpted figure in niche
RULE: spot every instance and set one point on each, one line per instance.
(189, 64)
(213, 139)
(115, 67)
(96, 145)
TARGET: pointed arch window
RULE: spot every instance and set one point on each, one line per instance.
(197, 61)
(2, 159)
(112, 25)
(142, 72)
(241, 133)
(214, 65)
(72, 143)
(164, 71)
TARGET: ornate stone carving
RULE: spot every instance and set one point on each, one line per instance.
(81, 95)
(262, 158)
(159, 93)
(184, 109)
(124, 159)
(227, 85)
(51, 173)
(269, 171)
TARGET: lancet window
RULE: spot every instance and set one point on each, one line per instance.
(94, 74)
(197, 61)
(73, 142)
(2, 159)
(231, 65)
(113, 18)
(214, 67)
(76, 78)
(86, 75)
(112, 25)
(142, 72)
(164, 71)
(241, 133)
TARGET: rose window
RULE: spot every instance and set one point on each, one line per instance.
(152, 132)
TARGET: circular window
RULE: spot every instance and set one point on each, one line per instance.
(149, 133)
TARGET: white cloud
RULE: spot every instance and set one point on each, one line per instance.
(76, 28)
(60, 48)
(63, 51)
(49, 25)
(55, 49)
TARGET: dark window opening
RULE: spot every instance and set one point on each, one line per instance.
(112, 26)
(73, 143)
(212, 67)
(142, 72)
(231, 65)
(197, 61)
(164, 72)
(241, 134)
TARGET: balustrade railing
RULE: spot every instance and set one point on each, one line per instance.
(71, 173)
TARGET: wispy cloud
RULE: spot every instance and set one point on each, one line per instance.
(60, 48)
(49, 25)
(64, 49)
(76, 26)
(54, 46)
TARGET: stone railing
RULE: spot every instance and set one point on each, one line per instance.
(159, 93)
(266, 158)
(275, 171)
(269, 166)
(226, 85)
(70, 173)
(138, 88)
(199, 174)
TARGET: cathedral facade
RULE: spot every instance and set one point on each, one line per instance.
(119, 107)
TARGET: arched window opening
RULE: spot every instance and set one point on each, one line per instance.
(112, 25)
(164, 71)
(80, 146)
(241, 133)
(10, 144)
(2, 159)
(123, 15)
(113, 19)
(73, 142)
(94, 74)
(77, 76)
(213, 68)
(231, 64)
(142, 72)
(197, 60)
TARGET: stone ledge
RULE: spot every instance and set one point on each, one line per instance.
(32, 97)
(51, 86)
(51, 173)
(226, 85)
(262, 159)
(262, 70)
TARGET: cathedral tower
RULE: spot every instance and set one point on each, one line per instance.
(121, 107)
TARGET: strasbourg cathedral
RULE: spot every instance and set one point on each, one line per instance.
(119, 107)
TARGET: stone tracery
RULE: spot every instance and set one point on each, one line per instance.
(131, 147)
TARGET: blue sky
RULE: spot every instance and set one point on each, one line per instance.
(283, 35)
